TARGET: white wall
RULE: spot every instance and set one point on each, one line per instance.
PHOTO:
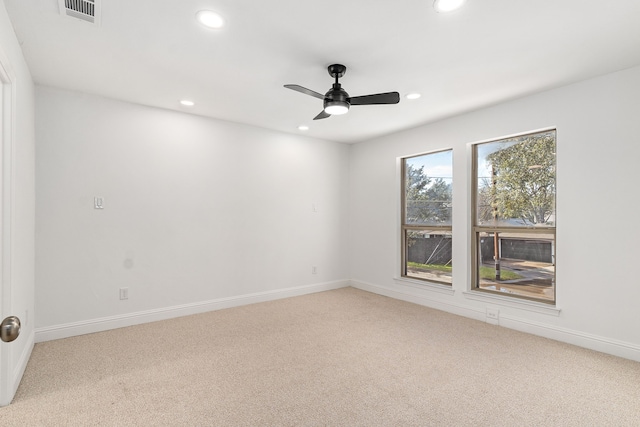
(20, 270)
(598, 286)
(198, 213)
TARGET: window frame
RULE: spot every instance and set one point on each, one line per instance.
(404, 227)
(476, 229)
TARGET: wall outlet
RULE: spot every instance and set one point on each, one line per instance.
(124, 293)
(314, 270)
(493, 316)
(98, 203)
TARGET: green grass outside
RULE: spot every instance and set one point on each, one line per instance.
(485, 272)
(490, 274)
(438, 267)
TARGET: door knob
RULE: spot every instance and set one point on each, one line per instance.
(10, 329)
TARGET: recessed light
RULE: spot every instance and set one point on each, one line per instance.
(447, 5)
(187, 103)
(210, 19)
(413, 95)
(303, 128)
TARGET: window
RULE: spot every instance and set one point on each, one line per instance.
(426, 216)
(514, 228)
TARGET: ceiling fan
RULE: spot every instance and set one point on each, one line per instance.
(337, 100)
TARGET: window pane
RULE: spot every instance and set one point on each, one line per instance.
(516, 181)
(517, 263)
(428, 255)
(427, 188)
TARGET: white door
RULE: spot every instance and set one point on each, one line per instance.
(16, 341)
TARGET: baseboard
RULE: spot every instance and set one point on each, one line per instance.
(570, 336)
(113, 322)
(581, 339)
(421, 299)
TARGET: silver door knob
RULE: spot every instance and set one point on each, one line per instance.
(10, 329)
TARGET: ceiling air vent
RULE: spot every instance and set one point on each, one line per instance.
(87, 10)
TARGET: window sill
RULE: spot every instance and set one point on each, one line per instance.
(536, 307)
(421, 284)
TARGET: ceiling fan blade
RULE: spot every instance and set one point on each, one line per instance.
(322, 115)
(378, 98)
(304, 90)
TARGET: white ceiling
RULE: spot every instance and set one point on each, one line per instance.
(153, 52)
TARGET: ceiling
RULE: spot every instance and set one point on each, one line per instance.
(153, 52)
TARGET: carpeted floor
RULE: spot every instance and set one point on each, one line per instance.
(337, 358)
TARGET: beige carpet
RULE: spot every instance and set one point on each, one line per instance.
(337, 358)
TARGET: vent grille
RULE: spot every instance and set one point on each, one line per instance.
(87, 10)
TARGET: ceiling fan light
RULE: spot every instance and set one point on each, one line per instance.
(336, 108)
(447, 5)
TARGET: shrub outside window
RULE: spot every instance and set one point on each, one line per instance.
(426, 217)
(514, 216)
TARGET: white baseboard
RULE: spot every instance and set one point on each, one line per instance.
(113, 322)
(421, 299)
(579, 338)
(582, 339)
